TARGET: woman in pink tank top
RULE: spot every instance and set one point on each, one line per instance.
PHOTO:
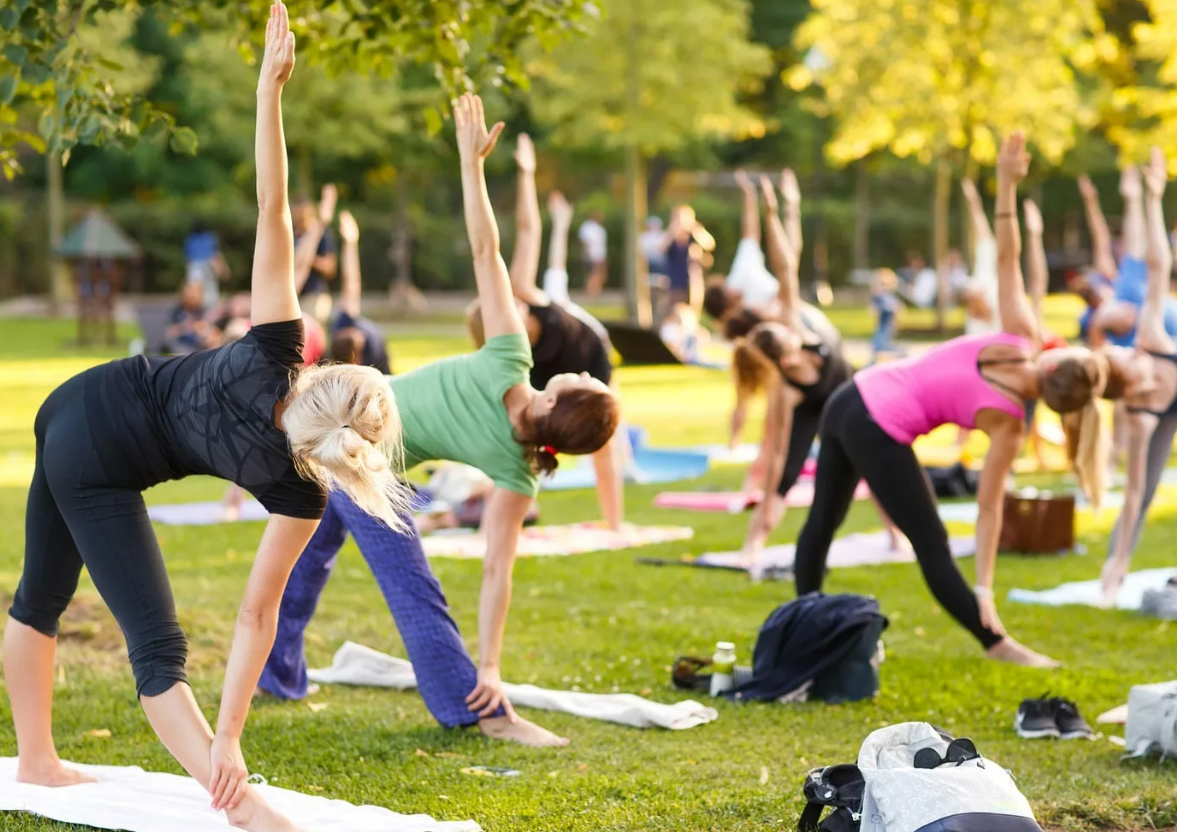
(980, 381)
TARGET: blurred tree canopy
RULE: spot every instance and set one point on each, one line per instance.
(49, 65)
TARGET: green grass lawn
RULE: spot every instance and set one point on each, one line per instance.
(602, 623)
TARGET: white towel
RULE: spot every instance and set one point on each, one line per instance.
(355, 664)
(1090, 593)
(131, 799)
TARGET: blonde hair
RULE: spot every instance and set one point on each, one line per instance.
(345, 432)
(750, 369)
(1073, 389)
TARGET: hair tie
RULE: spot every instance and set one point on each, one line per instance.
(548, 449)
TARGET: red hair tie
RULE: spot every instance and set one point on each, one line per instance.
(548, 449)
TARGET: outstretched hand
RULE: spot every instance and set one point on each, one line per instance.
(525, 153)
(328, 198)
(278, 58)
(348, 229)
(474, 140)
(742, 180)
(1014, 160)
(790, 190)
(766, 190)
(560, 208)
(1156, 173)
(1087, 189)
(1033, 217)
(1130, 187)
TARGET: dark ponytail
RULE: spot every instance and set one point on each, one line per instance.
(582, 421)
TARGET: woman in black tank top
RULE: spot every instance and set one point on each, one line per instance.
(1152, 412)
(241, 412)
(801, 368)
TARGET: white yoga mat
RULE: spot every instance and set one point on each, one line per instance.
(549, 541)
(131, 799)
(859, 549)
(355, 664)
(1089, 593)
(726, 455)
(203, 514)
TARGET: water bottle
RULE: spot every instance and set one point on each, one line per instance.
(723, 667)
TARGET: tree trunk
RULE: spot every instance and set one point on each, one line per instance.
(861, 217)
(637, 279)
(403, 297)
(967, 242)
(59, 284)
(940, 219)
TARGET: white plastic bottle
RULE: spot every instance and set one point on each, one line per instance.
(723, 666)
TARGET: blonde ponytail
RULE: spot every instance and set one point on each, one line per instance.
(345, 432)
(1087, 451)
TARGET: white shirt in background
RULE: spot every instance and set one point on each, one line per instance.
(748, 274)
(594, 238)
(984, 282)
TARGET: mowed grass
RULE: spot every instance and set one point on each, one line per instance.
(601, 623)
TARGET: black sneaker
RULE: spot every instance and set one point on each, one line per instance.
(1071, 724)
(1035, 719)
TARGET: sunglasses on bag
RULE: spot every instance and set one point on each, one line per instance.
(959, 751)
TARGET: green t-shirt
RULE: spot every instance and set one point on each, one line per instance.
(453, 410)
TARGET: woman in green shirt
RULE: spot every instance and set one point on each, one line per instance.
(478, 409)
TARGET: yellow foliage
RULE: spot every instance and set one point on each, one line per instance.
(925, 76)
(1152, 109)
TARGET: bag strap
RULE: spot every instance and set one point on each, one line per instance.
(810, 817)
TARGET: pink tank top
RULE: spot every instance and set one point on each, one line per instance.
(909, 398)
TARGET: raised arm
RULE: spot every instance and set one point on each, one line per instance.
(350, 289)
(791, 192)
(528, 226)
(980, 223)
(1017, 318)
(1039, 272)
(1132, 235)
(781, 257)
(560, 210)
(306, 253)
(273, 297)
(1097, 226)
(1151, 334)
(750, 209)
(475, 143)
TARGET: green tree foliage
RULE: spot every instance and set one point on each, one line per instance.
(1149, 108)
(46, 64)
(922, 77)
(653, 75)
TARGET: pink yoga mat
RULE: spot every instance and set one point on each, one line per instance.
(734, 502)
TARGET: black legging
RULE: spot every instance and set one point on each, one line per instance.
(76, 517)
(806, 419)
(853, 446)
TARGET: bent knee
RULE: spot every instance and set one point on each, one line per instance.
(158, 659)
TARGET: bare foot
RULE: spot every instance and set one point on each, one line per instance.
(1008, 650)
(522, 732)
(255, 815)
(53, 774)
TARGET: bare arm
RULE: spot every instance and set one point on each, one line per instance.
(561, 212)
(1133, 233)
(528, 226)
(1005, 442)
(980, 223)
(791, 191)
(750, 210)
(273, 297)
(350, 290)
(610, 470)
(499, 313)
(1097, 227)
(1151, 334)
(778, 429)
(1017, 318)
(306, 253)
(1039, 271)
(781, 257)
(503, 520)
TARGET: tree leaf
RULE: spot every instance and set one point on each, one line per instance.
(16, 54)
(184, 141)
(35, 73)
(7, 89)
(21, 5)
(9, 17)
(34, 141)
(46, 125)
(111, 65)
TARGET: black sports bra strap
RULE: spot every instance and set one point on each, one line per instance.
(989, 362)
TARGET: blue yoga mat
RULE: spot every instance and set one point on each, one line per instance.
(653, 466)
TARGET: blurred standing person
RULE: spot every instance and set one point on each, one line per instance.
(315, 254)
(205, 266)
(594, 243)
(685, 245)
(652, 248)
